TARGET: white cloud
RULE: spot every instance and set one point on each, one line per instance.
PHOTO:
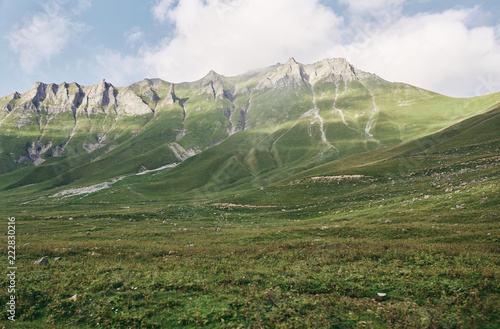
(82, 6)
(118, 69)
(435, 51)
(133, 35)
(161, 9)
(371, 5)
(445, 52)
(44, 34)
(232, 37)
(40, 39)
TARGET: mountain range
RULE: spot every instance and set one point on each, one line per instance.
(158, 139)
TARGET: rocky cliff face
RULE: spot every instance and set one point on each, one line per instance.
(293, 74)
(214, 85)
(100, 95)
(333, 70)
(9, 102)
(55, 99)
(171, 98)
(141, 97)
(222, 107)
(289, 75)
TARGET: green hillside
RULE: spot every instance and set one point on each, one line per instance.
(271, 229)
(215, 134)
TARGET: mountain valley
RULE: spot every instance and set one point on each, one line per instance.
(294, 196)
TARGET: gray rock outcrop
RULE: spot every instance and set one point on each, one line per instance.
(44, 261)
(171, 98)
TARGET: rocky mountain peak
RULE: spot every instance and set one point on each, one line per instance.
(10, 99)
(171, 97)
(288, 75)
(53, 92)
(291, 61)
(54, 98)
(293, 68)
(148, 88)
(101, 94)
(293, 74)
(37, 93)
(212, 75)
(213, 84)
(129, 102)
(335, 69)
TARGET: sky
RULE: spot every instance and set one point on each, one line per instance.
(450, 47)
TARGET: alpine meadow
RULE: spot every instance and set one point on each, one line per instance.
(293, 196)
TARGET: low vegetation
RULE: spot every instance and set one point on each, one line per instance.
(278, 199)
(408, 238)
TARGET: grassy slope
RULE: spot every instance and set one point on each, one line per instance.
(279, 138)
(255, 159)
(476, 130)
(422, 229)
(138, 138)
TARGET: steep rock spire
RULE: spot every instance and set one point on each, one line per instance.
(171, 97)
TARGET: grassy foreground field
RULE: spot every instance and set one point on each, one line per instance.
(411, 241)
(396, 257)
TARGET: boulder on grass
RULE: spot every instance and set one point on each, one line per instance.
(44, 261)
